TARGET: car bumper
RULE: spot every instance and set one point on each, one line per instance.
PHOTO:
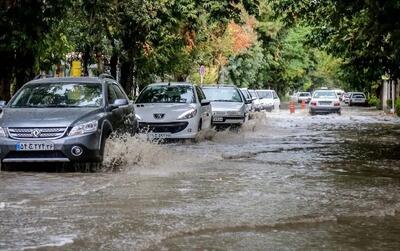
(324, 110)
(268, 107)
(228, 120)
(185, 129)
(90, 145)
(353, 102)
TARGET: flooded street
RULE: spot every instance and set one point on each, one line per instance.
(284, 182)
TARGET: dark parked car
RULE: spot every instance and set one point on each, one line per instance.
(64, 120)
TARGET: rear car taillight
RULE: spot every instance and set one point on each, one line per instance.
(337, 103)
(314, 103)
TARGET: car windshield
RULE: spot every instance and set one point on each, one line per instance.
(304, 94)
(265, 94)
(358, 95)
(167, 94)
(222, 94)
(59, 95)
(325, 94)
(253, 94)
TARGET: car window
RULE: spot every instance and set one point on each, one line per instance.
(120, 94)
(246, 94)
(200, 94)
(167, 94)
(223, 94)
(324, 94)
(59, 95)
(253, 94)
(358, 95)
(304, 94)
(275, 95)
(112, 96)
(265, 94)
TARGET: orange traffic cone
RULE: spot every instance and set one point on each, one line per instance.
(292, 108)
(303, 105)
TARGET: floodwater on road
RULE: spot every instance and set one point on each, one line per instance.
(284, 182)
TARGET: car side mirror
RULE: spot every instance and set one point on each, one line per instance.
(118, 103)
(249, 101)
(205, 102)
(2, 104)
(121, 102)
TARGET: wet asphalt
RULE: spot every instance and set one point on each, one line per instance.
(283, 182)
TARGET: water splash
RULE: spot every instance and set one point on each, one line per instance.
(128, 151)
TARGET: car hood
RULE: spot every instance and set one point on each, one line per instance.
(170, 111)
(226, 106)
(44, 117)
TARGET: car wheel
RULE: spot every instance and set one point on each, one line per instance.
(200, 127)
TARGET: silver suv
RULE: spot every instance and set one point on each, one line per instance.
(64, 120)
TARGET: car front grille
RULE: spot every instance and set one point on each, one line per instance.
(36, 133)
(173, 127)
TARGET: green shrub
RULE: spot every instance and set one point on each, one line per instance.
(375, 101)
(398, 106)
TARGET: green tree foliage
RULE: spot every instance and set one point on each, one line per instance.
(366, 34)
(25, 41)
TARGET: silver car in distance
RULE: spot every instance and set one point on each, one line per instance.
(324, 102)
(228, 105)
(172, 110)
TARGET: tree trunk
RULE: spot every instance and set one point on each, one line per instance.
(24, 63)
(5, 88)
(127, 76)
(114, 65)
(86, 61)
(6, 76)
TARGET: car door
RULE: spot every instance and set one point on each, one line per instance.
(204, 109)
(126, 112)
(116, 112)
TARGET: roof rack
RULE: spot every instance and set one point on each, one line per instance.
(105, 75)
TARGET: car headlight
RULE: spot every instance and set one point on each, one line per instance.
(138, 117)
(84, 128)
(2, 133)
(188, 114)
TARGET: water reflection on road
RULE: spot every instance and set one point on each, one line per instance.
(283, 182)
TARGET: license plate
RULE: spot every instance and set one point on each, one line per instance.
(34, 146)
(159, 135)
(218, 119)
(359, 100)
(325, 102)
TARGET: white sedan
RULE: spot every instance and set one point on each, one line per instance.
(269, 100)
(324, 101)
(173, 110)
(357, 98)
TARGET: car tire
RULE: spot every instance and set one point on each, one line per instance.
(200, 127)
